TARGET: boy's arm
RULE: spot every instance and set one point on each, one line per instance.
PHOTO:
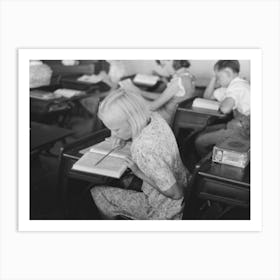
(227, 105)
(208, 93)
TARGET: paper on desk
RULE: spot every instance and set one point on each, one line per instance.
(93, 79)
(68, 93)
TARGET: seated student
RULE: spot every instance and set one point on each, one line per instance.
(164, 69)
(124, 68)
(234, 95)
(117, 70)
(154, 159)
(180, 88)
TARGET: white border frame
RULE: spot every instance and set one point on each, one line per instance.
(255, 57)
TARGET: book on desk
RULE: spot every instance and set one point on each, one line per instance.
(112, 165)
(206, 106)
(145, 80)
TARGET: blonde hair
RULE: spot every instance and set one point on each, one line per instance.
(130, 104)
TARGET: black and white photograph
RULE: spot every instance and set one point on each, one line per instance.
(136, 139)
(140, 139)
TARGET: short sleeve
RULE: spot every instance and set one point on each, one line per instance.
(155, 168)
(219, 94)
(187, 84)
(236, 94)
(116, 72)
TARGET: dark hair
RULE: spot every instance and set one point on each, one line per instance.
(234, 65)
(177, 64)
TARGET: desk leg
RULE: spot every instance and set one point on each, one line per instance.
(62, 187)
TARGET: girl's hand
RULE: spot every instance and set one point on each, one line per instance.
(132, 166)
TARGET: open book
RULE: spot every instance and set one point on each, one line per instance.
(206, 104)
(92, 79)
(112, 166)
(145, 80)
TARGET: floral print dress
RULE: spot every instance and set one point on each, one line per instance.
(156, 153)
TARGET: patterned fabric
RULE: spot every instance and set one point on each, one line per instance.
(156, 153)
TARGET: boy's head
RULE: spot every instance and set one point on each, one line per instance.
(226, 71)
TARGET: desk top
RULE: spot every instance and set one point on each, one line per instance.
(72, 83)
(223, 172)
(42, 135)
(187, 106)
(73, 150)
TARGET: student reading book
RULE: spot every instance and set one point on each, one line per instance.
(234, 96)
(104, 159)
(155, 159)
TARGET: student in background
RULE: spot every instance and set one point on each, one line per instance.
(154, 159)
(120, 69)
(164, 69)
(234, 95)
(117, 70)
(180, 88)
(39, 74)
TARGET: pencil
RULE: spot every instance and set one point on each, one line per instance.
(106, 155)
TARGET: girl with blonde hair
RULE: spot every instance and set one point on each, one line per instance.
(154, 159)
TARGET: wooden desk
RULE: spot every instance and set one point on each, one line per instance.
(72, 83)
(68, 156)
(221, 183)
(224, 183)
(194, 119)
(43, 137)
(58, 110)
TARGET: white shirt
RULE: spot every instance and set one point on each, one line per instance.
(117, 70)
(239, 91)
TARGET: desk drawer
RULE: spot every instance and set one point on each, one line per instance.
(223, 192)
